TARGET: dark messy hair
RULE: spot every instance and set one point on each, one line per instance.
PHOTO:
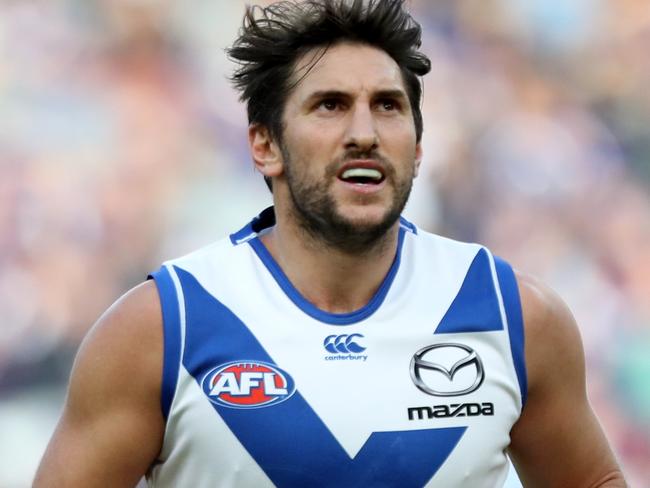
(273, 38)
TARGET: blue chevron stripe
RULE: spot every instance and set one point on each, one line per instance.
(476, 307)
(289, 441)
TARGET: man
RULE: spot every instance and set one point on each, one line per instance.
(330, 342)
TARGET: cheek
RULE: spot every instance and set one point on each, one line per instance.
(405, 151)
(312, 148)
(398, 132)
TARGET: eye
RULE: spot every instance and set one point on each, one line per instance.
(329, 104)
(388, 104)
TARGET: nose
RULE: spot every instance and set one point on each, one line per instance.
(361, 132)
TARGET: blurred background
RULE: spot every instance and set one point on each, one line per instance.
(122, 145)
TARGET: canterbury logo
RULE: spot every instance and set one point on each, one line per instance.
(344, 343)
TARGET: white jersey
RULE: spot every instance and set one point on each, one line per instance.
(420, 387)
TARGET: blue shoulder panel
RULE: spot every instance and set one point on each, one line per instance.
(171, 336)
(288, 439)
(512, 304)
(476, 307)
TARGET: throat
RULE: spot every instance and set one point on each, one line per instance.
(340, 293)
(332, 281)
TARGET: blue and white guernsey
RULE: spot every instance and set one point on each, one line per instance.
(260, 388)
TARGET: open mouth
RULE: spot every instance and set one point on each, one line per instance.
(362, 176)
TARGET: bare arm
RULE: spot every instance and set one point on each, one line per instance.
(557, 441)
(112, 426)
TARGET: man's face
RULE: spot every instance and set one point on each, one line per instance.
(349, 146)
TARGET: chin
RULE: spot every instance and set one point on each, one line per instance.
(364, 215)
(366, 218)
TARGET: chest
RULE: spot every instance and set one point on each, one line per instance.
(383, 402)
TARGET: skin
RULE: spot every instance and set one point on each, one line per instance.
(557, 441)
(352, 101)
(112, 428)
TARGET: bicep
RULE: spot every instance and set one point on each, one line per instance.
(557, 440)
(111, 427)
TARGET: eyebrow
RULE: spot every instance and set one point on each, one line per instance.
(396, 94)
(323, 94)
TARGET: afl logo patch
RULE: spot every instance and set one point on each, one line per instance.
(247, 384)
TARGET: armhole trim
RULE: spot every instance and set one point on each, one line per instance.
(171, 336)
(512, 303)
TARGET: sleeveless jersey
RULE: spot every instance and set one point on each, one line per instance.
(260, 388)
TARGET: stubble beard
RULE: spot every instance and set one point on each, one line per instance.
(315, 210)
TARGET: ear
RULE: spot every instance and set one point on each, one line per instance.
(418, 158)
(266, 153)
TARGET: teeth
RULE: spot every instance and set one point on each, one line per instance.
(362, 173)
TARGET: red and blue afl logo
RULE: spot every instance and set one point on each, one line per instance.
(247, 384)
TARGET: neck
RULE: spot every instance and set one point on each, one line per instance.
(334, 280)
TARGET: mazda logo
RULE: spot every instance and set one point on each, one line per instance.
(443, 362)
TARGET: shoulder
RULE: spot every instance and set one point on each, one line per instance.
(441, 248)
(219, 253)
(543, 309)
(135, 315)
(112, 425)
(557, 440)
(551, 333)
(125, 346)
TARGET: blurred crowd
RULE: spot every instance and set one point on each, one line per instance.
(122, 144)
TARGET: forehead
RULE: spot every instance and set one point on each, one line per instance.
(346, 67)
